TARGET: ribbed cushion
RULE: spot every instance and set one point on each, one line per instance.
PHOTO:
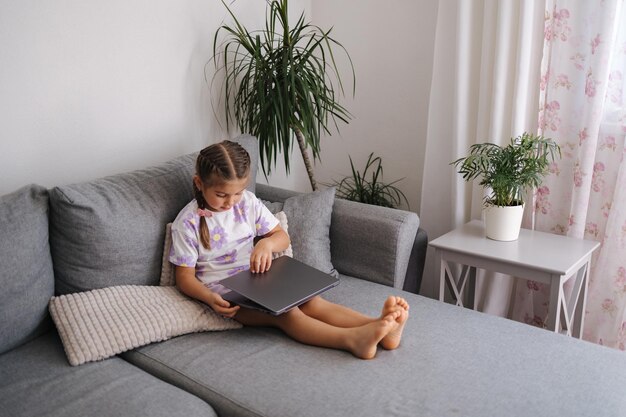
(97, 324)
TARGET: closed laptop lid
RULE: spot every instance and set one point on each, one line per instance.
(287, 284)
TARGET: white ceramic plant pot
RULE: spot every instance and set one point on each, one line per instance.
(503, 222)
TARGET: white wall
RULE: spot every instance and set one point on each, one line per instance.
(391, 44)
(90, 89)
(94, 88)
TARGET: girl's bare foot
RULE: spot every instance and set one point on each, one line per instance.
(397, 304)
(365, 338)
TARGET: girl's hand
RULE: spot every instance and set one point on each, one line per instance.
(221, 306)
(261, 257)
(188, 284)
(274, 241)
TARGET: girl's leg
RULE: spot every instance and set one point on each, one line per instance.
(361, 341)
(334, 314)
(341, 316)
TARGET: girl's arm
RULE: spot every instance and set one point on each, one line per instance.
(188, 284)
(276, 240)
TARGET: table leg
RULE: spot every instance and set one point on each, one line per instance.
(446, 278)
(579, 314)
(556, 299)
(442, 279)
(471, 290)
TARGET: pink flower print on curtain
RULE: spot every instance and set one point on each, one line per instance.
(596, 181)
(542, 202)
(558, 27)
(582, 108)
(620, 279)
(563, 81)
(615, 93)
(595, 42)
(549, 117)
(590, 84)
(578, 60)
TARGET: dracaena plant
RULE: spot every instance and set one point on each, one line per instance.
(508, 172)
(281, 83)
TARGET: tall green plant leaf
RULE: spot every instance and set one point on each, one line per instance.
(276, 81)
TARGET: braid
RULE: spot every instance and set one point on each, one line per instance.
(205, 237)
(220, 162)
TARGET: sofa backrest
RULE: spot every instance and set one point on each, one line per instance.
(110, 231)
(26, 276)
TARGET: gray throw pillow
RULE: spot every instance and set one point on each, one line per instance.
(110, 231)
(26, 272)
(309, 227)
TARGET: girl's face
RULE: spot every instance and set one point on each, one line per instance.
(222, 196)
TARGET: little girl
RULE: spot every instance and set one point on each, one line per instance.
(213, 238)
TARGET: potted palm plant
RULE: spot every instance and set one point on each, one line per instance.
(281, 83)
(507, 173)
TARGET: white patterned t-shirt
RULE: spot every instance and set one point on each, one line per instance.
(231, 232)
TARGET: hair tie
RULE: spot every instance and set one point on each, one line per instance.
(205, 213)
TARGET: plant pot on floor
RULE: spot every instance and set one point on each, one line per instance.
(503, 222)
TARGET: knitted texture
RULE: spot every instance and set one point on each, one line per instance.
(97, 324)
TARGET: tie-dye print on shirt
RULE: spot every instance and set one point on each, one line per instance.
(231, 233)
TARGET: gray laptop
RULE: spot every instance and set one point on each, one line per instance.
(287, 284)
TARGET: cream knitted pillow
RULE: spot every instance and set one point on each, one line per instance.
(97, 324)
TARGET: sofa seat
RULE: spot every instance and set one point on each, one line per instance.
(36, 380)
(452, 362)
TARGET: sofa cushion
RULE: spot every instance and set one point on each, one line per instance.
(385, 239)
(309, 217)
(369, 242)
(452, 361)
(26, 274)
(110, 231)
(36, 380)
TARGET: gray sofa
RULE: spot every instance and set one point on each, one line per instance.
(110, 231)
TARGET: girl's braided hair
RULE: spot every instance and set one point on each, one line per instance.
(217, 164)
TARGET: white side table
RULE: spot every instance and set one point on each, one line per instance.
(543, 257)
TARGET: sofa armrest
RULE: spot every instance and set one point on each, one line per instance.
(374, 243)
(415, 270)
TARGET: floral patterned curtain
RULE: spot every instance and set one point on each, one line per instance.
(583, 107)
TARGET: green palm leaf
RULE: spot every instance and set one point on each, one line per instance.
(509, 171)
